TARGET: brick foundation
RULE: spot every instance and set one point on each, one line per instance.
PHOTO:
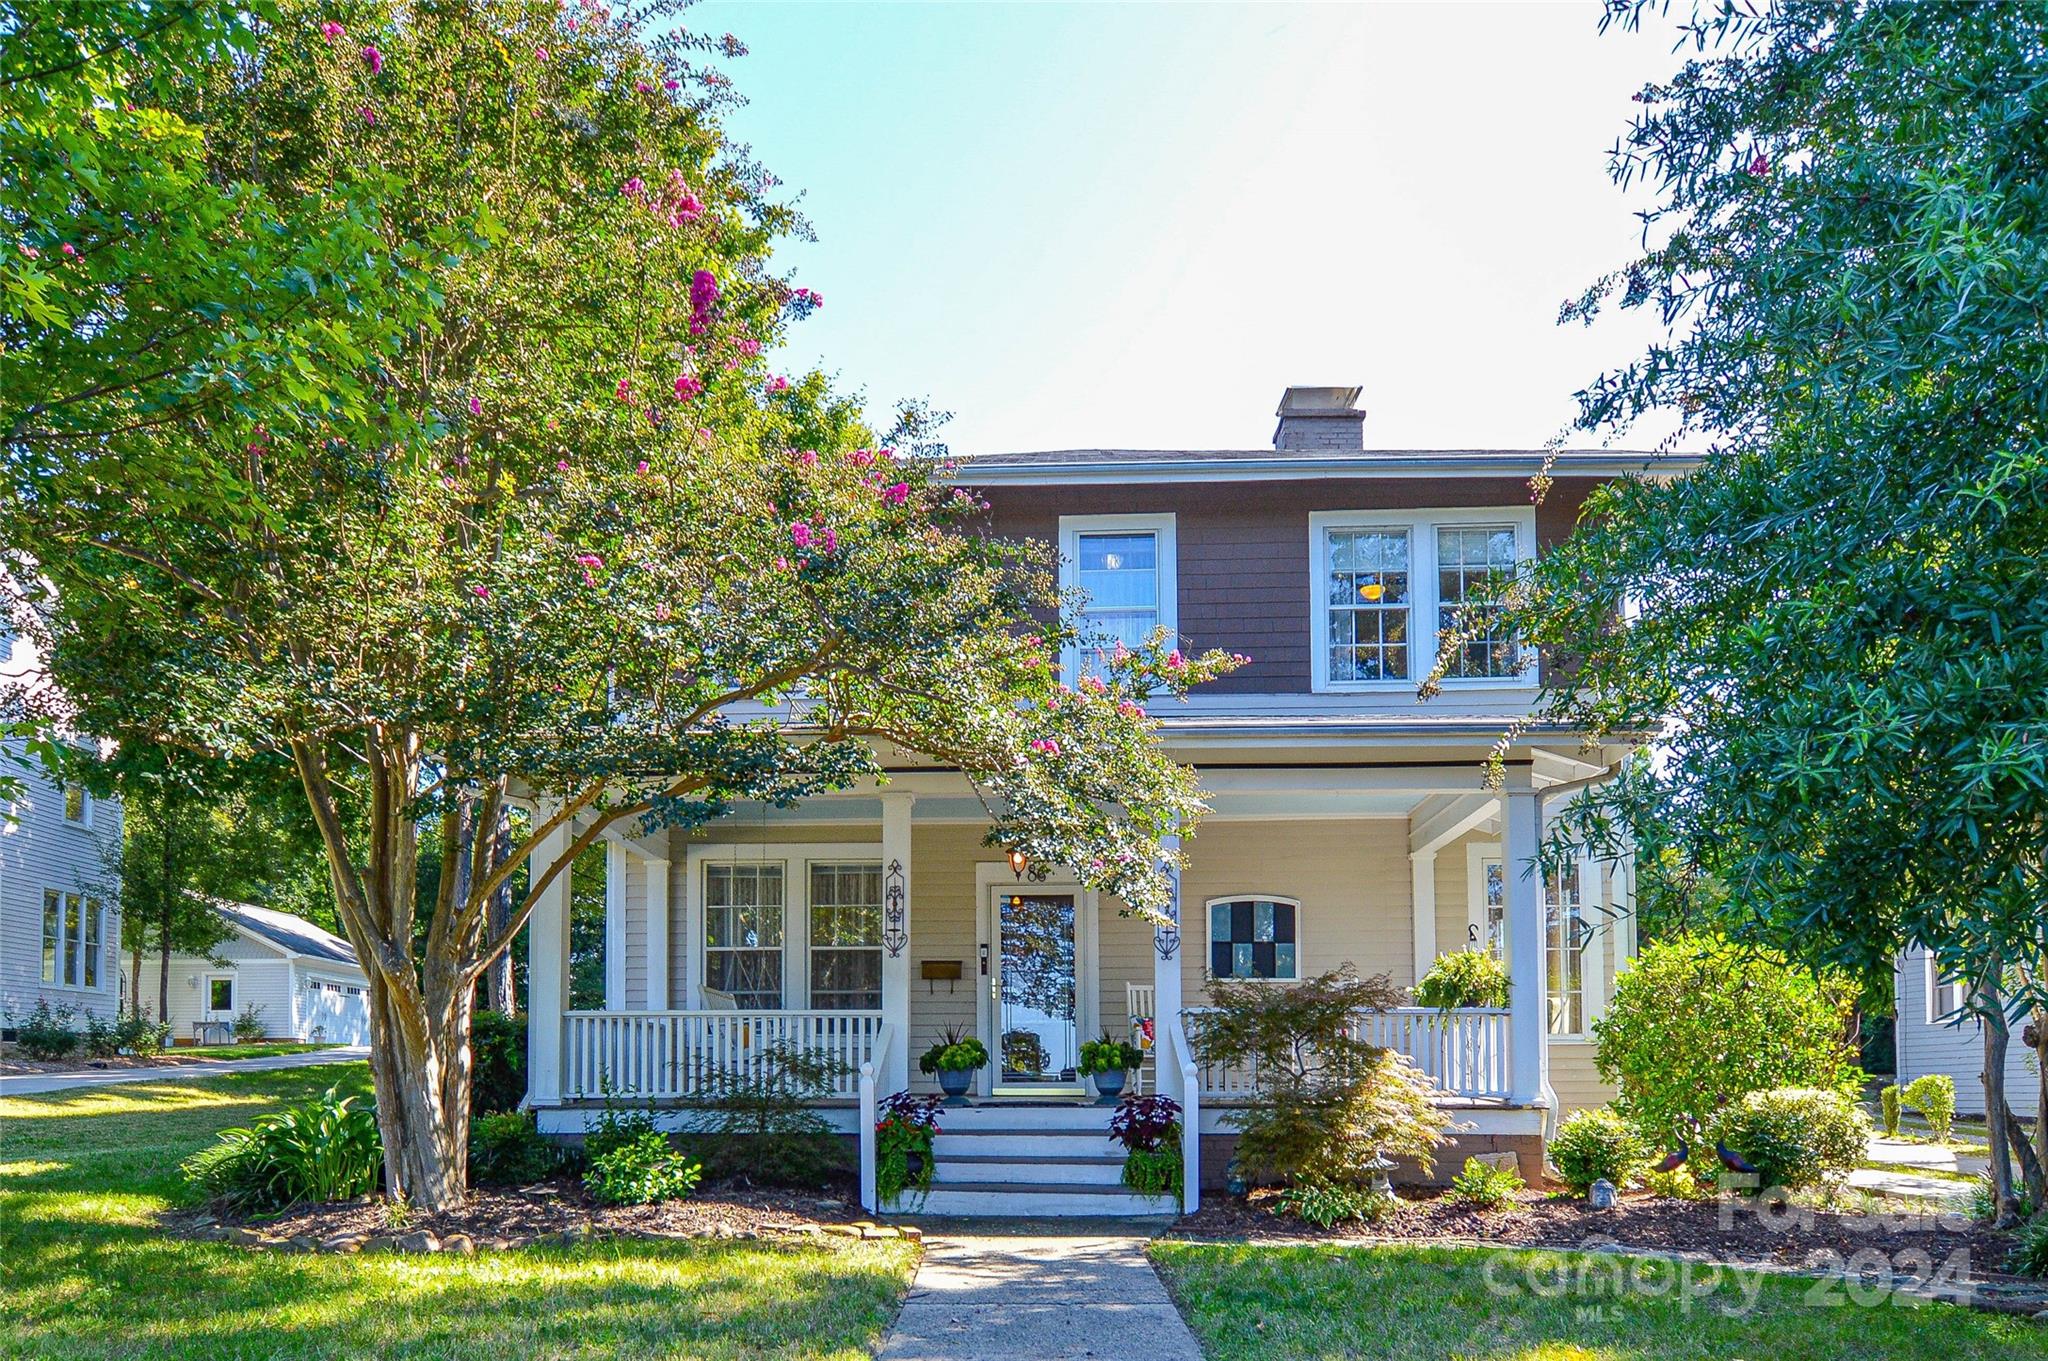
(1450, 1158)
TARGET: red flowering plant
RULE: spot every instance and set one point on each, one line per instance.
(903, 1144)
(525, 566)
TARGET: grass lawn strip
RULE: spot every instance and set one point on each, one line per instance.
(88, 1273)
(1410, 1302)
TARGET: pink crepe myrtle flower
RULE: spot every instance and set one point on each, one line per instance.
(632, 187)
(800, 534)
(1174, 661)
(368, 115)
(624, 389)
(897, 494)
(642, 87)
(687, 386)
(540, 53)
(1048, 746)
(828, 542)
(778, 384)
(703, 289)
(589, 560)
(1759, 166)
(661, 610)
(809, 458)
(373, 59)
(480, 592)
(332, 31)
(68, 249)
(31, 252)
(671, 85)
(447, 481)
(476, 407)
(781, 564)
(1093, 684)
(1130, 709)
(561, 465)
(641, 467)
(749, 348)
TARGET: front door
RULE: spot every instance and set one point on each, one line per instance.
(1037, 1040)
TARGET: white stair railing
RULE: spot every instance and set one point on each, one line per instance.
(870, 1073)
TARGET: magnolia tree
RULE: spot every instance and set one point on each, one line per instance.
(582, 550)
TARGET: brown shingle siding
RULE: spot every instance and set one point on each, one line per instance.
(1244, 548)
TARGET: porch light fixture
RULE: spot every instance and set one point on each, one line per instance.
(895, 935)
(1018, 861)
(1166, 939)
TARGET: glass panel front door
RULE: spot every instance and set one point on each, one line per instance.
(1037, 1043)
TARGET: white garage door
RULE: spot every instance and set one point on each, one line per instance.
(338, 1013)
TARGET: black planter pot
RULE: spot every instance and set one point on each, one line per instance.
(954, 1082)
(913, 1166)
(1110, 1085)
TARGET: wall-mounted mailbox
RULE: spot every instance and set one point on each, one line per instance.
(940, 970)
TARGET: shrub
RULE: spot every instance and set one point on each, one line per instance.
(141, 1036)
(956, 1051)
(1468, 978)
(1328, 1103)
(1328, 1203)
(508, 1149)
(102, 1038)
(641, 1171)
(497, 1058)
(1596, 1144)
(1888, 1103)
(249, 1024)
(1110, 1056)
(1698, 1023)
(45, 1035)
(1149, 1129)
(1677, 1184)
(2029, 1255)
(1934, 1096)
(327, 1149)
(1484, 1186)
(904, 1130)
(616, 1127)
(759, 1125)
(1793, 1136)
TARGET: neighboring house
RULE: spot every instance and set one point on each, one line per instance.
(1934, 1035)
(303, 982)
(1349, 825)
(60, 913)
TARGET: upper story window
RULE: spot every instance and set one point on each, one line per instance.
(1944, 995)
(77, 805)
(1385, 583)
(1124, 566)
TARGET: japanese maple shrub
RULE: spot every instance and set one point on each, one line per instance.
(1328, 1103)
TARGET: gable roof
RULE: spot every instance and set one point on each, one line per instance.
(286, 932)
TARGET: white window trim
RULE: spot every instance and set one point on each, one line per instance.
(1300, 944)
(796, 859)
(1582, 867)
(1164, 525)
(85, 802)
(1935, 1015)
(1423, 528)
(206, 982)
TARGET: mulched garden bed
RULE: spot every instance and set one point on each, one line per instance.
(1781, 1234)
(554, 1211)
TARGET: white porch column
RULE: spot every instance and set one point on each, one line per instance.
(614, 926)
(1529, 1049)
(1422, 890)
(1167, 943)
(657, 933)
(547, 973)
(896, 810)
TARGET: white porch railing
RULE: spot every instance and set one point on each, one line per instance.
(1465, 1051)
(675, 1055)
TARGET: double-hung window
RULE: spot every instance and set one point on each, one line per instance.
(846, 936)
(743, 920)
(1944, 995)
(72, 924)
(77, 805)
(1123, 568)
(1385, 586)
(1564, 954)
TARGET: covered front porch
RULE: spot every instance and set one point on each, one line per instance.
(862, 927)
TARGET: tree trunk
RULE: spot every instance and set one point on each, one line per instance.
(2038, 1194)
(163, 974)
(498, 984)
(135, 977)
(1991, 1008)
(420, 1069)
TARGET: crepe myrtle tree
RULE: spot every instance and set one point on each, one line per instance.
(585, 551)
(1839, 623)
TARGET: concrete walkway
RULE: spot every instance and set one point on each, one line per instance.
(32, 1084)
(996, 1291)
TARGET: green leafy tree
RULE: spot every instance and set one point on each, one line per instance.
(1840, 621)
(584, 551)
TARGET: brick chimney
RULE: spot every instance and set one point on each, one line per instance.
(1319, 418)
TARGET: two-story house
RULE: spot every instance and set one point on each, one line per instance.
(1349, 824)
(60, 923)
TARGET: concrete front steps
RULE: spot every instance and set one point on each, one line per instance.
(1044, 1160)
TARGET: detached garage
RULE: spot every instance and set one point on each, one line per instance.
(302, 983)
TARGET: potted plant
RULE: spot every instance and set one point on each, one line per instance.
(953, 1059)
(903, 1145)
(1107, 1060)
(1149, 1129)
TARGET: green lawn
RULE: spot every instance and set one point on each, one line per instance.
(85, 1274)
(1408, 1303)
(258, 1050)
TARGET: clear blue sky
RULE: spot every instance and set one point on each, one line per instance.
(1132, 225)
